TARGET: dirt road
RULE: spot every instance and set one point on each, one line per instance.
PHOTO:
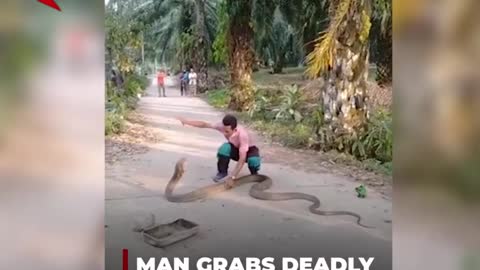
(232, 224)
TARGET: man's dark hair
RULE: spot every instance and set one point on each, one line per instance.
(230, 120)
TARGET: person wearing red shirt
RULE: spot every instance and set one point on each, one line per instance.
(161, 83)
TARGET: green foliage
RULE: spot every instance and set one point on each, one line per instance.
(122, 43)
(378, 139)
(308, 18)
(372, 164)
(275, 44)
(272, 115)
(218, 98)
(220, 48)
(317, 117)
(289, 108)
(295, 135)
(261, 107)
(122, 100)
(381, 41)
(281, 105)
(299, 136)
(113, 123)
(168, 20)
(382, 13)
(324, 53)
(132, 88)
(375, 142)
(185, 48)
(115, 111)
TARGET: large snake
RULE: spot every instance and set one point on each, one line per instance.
(257, 191)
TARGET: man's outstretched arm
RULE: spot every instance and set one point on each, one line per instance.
(194, 123)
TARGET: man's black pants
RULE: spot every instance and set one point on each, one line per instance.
(228, 151)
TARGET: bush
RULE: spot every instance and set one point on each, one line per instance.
(299, 136)
(290, 105)
(120, 101)
(283, 104)
(113, 123)
(115, 111)
(378, 140)
(135, 84)
(376, 165)
(117, 105)
(218, 98)
(295, 135)
(262, 107)
(143, 81)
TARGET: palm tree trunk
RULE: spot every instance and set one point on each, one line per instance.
(241, 55)
(344, 97)
(201, 54)
(279, 63)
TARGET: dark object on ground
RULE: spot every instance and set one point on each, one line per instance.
(166, 234)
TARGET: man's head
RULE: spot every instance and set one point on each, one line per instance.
(230, 124)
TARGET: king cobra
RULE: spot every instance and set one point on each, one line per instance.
(257, 191)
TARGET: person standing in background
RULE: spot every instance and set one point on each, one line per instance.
(183, 83)
(161, 83)
(192, 78)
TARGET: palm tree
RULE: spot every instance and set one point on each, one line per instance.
(244, 18)
(201, 55)
(341, 57)
(241, 54)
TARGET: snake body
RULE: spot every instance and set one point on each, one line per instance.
(257, 191)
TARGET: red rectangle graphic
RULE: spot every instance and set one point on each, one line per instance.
(125, 259)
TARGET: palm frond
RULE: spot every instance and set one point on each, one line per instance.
(321, 58)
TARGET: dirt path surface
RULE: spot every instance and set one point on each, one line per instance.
(233, 224)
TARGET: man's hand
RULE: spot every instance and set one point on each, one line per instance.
(181, 119)
(229, 182)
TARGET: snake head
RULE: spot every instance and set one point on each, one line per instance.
(180, 166)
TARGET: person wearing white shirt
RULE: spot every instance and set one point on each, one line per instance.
(192, 81)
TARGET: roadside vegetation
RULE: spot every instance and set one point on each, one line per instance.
(125, 81)
(292, 116)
